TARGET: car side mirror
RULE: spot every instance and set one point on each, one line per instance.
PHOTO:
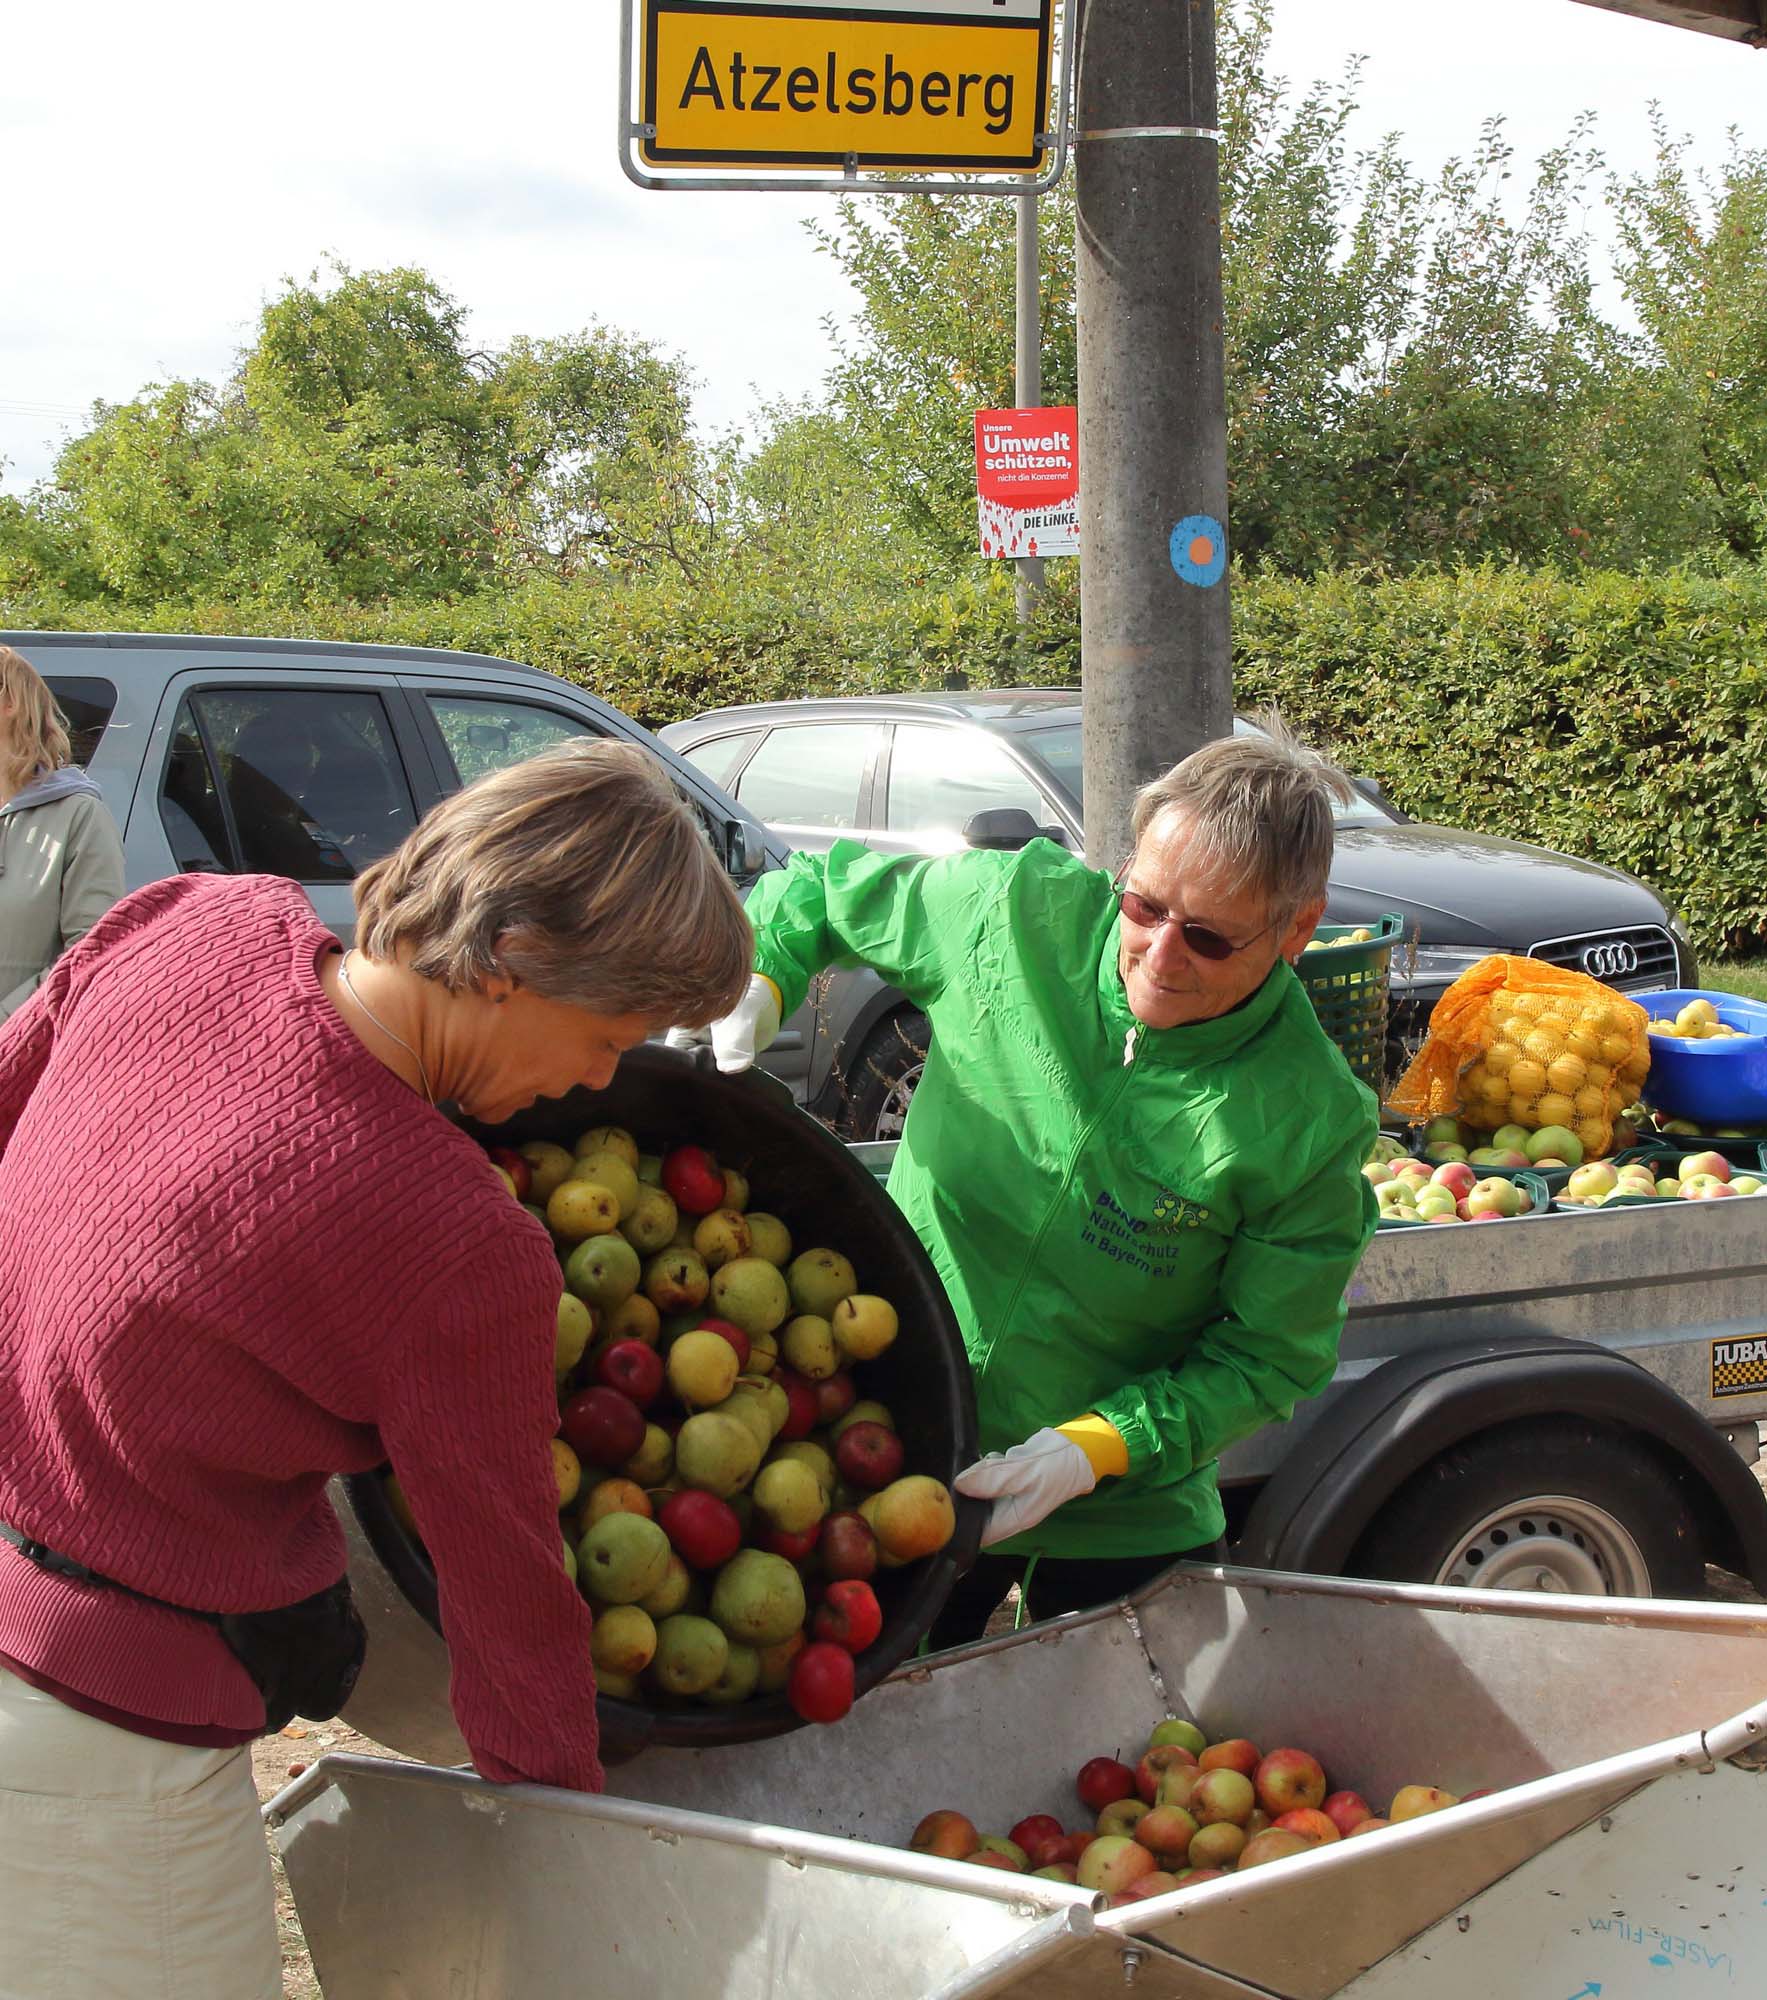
(1375, 793)
(1003, 828)
(745, 848)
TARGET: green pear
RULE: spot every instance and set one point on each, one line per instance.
(691, 1654)
(716, 1453)
(758, 1598)
(769, 1237)
(751, 1294)
(602, 1271)
(819, 1280)
(622, 1558)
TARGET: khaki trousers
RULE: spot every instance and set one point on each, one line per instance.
(130, 1869)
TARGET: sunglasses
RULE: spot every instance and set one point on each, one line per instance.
(1198, 938)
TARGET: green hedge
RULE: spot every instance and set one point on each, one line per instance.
(1619, 717)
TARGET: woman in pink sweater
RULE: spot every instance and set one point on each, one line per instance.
(241, 1251)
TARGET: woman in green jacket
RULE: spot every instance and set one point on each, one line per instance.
(1133, 1155)
(61, 863)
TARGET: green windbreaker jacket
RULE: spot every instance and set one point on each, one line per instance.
(1154, 1224)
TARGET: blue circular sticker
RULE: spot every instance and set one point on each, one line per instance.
(1199, 550)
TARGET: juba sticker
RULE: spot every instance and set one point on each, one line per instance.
(1739, 1366)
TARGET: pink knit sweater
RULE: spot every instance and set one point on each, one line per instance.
(238, 1255)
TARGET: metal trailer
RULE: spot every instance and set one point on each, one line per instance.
(1622, 1854)
(1623, 1351)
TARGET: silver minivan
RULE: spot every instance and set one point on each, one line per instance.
(310, 759)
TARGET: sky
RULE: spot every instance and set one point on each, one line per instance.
(171, 167)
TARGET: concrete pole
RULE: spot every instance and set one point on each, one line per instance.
(1027, 370)
(1154, 627)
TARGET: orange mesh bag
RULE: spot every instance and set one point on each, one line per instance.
(1515, 1041)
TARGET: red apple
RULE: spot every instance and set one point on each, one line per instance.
(945, 1833)
(1457, 1177)
(1156, 1763)
(848, 1547)
(835, 1396)
(868, 1456)
(1317, 1826)
(800, 1397)
(703, 1530)
(633, 1368)
(693, 1180)
(1286, 1779)
(984, 1857)
(602, 1426)
(794, 1548)
(1167, 1831)
(1234, 1754)
(849, 1615)
(821, 1684)
(1102, 1781)
(519, 1170)
(732, 1333)
(1036, 1830)
(1372, 1824)
(1155, 1883)
(1346, 1809)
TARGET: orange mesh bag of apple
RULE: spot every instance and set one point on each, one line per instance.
(727, 1493)
(1187, 1811)
(1515, 1042)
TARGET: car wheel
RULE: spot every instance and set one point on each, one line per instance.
(883, 1079)
(1557, 1504)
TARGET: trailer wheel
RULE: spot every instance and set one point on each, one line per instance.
(1557, 1504)
(882, 1081)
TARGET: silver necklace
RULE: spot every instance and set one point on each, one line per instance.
(343, 972)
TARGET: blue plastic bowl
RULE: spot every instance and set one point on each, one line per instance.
(1712, 1083)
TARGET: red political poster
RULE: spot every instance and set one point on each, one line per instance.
(1028, 481)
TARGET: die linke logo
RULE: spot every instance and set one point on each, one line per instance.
(936, 83)
(1028, 481)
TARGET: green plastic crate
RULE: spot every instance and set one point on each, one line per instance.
(1539, 1199)
(1347, 984)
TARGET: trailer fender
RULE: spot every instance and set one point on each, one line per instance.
(1315, 1508)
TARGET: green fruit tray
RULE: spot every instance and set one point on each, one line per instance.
(1658, 1153)
(1347, 984)
(1531, 1179)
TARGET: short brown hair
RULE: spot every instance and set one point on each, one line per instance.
(581, 872)
(36, 738)
(1258, 809)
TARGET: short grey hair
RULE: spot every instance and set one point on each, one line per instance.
(1256, 810)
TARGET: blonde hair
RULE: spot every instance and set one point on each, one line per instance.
(581, 872)
(1256, 811)
(35, 736)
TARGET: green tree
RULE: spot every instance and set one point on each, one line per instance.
(362, 452)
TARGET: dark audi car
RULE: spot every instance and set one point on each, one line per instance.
(910, 774)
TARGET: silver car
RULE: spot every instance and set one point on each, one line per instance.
(931, 773)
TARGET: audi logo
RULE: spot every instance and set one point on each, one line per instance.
(1610, 961)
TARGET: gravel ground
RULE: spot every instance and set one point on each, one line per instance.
(278, 1758)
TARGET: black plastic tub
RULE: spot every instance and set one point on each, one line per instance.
(801, 1173)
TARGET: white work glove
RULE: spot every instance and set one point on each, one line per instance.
(1027, 1484)
(742, 1034)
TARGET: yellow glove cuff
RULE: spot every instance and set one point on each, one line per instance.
(1102, 1443)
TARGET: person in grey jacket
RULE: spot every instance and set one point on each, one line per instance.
(61, 862)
